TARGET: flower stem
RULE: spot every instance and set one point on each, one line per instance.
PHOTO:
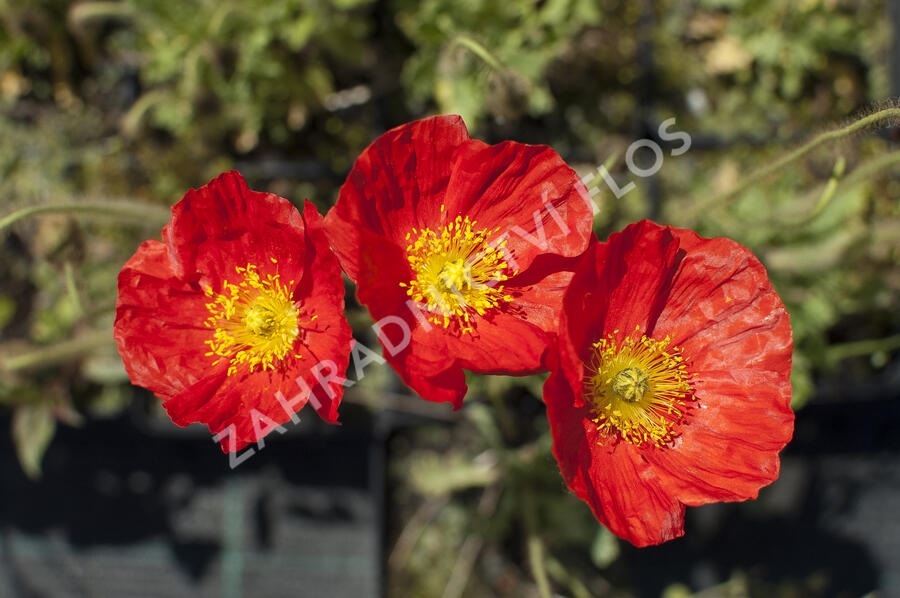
(559, 573)
(480, 51)
(832, 185)
(471, 548)
(839, 183)
(869, 169)
(798, 153)
(126, 209)
(85, 12)
(72, 288)
(865, 347)
(59, 352)
(536, 557)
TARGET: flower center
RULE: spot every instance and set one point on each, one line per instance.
(630, 384)
(254, 321)
(457, 272)
(638, 389)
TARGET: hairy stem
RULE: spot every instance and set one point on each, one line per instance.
(864, 347)
(85, 12)
(536, 556)
(869, 169)
(151, 214)
(561, 575)
(72, 288)
(480, 51)
(59, 352)
(796, 154)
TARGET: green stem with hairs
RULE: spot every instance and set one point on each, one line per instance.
(561, 575)
(536, 556)
(829, 191)
(85, 12)
(72, 288)
(838, 183)
(60, 352)
(480, 51)
(796, 154)
(865, 347)
(869, 169)
(125, 209)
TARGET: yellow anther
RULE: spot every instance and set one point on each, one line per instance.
(255, 322)
(638, 389)
(457, 273)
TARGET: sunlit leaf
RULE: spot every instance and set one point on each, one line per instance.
(33, 427)
(605, 548)
(434, 474)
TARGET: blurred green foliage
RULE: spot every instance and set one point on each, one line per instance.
(142, 99)
(480, 58)
(774, 67)
(237, 68)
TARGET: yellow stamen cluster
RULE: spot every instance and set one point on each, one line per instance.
(639, 389)
(254, 321)
(457, 272)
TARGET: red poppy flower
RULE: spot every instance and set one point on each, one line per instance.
(672, 386)
(239, 307)
(461, 250)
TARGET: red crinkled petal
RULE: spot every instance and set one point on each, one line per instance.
(501, 343)
(618, 286)
(729, 449)
(527, 193)
(246, 406)
(714, 300)
(540, 290)
(329, 338)
(623, 491)
(724, 313)
(634, 272)
(162, 309)
(159, 324)
(433, 363)
(225, 224)
(397, 183)
(432, 355)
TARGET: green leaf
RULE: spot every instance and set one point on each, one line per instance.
(677, 590)
(801, 382)
(105, 368)
(484, 421)
(33, 427)
(436, 475)
(7, 310)
(605, 548)
(297, 33)
(109, 402)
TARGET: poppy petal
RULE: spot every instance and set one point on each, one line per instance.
(426, 192)
(700, 317)
(527, 193)
(242, 300)
(729, 449)
(397, 183)
(622, 490)
(159, 323)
